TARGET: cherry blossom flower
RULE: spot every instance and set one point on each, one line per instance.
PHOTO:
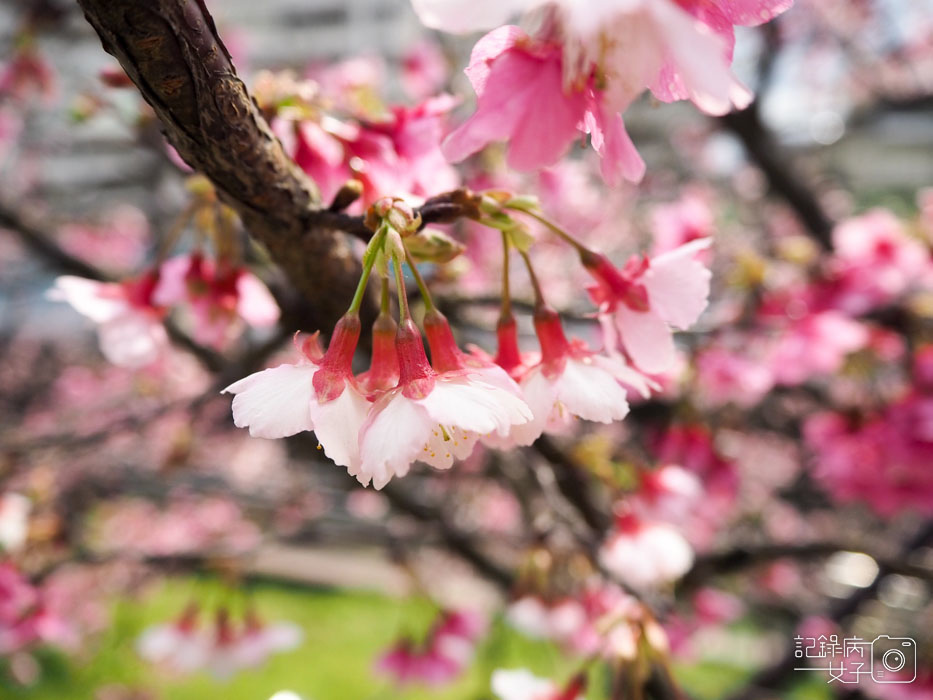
(669, 493)
(28, 74)
(576, 70)
(29, 616)
(183, 525)
(521, 684)
(815, 345)
(320, 395)
(724, 376)
(129, 323)
(521, 98)
(431, 417)
(179, 645)
(397, 154)
(184, 646)
(424, 70)
(639, 303)
(691, 447)
(539, 619)
(260, 640)
(441, 657)
(407, 664)
(579, 622)
(446, 356)
(874, 261)
(644, 554)
(680, 222)
(219, 296)
(571, 381)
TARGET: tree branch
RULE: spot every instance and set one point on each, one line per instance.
(459, 542)
(172, 52)
(765, 153)
(573, 485)
(780, 674)
(734, 560)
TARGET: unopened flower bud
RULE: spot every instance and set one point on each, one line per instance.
(433, 245)
(396, 213)
(200, 186)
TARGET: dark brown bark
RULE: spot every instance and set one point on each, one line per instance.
(171, 51)
(766, 154)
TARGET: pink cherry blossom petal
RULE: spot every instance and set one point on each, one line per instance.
(647, 339)
(678, 284)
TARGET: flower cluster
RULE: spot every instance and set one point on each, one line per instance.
(443, 655)
(585, 64)
(387, 149)
(129, 314)
(599, 618)
(26, 618)
(223, 648)
(807, 328)
(406, 409)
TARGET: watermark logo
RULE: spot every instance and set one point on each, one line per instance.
(883, 660)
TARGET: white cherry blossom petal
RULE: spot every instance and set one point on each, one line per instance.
(98, 301)
(465, 16)
(337, 425)
(133, 339)
(392, 437)
(591, 393)
(275, 402)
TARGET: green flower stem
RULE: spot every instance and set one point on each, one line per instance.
(369, 259)
(419, 280)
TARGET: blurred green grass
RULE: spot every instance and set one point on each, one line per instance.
(344, 633)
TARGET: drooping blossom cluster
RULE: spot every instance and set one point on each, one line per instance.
(645, 553)
(406, 409)
(221, 647)
(583, 66)
(27, 75)
(444, 653)
(598, 618)
(218, 294)
(130, 314)
(220, 297)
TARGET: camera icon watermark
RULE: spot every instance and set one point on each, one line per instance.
(885, 659)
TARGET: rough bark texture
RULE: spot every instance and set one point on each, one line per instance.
(171, 51)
